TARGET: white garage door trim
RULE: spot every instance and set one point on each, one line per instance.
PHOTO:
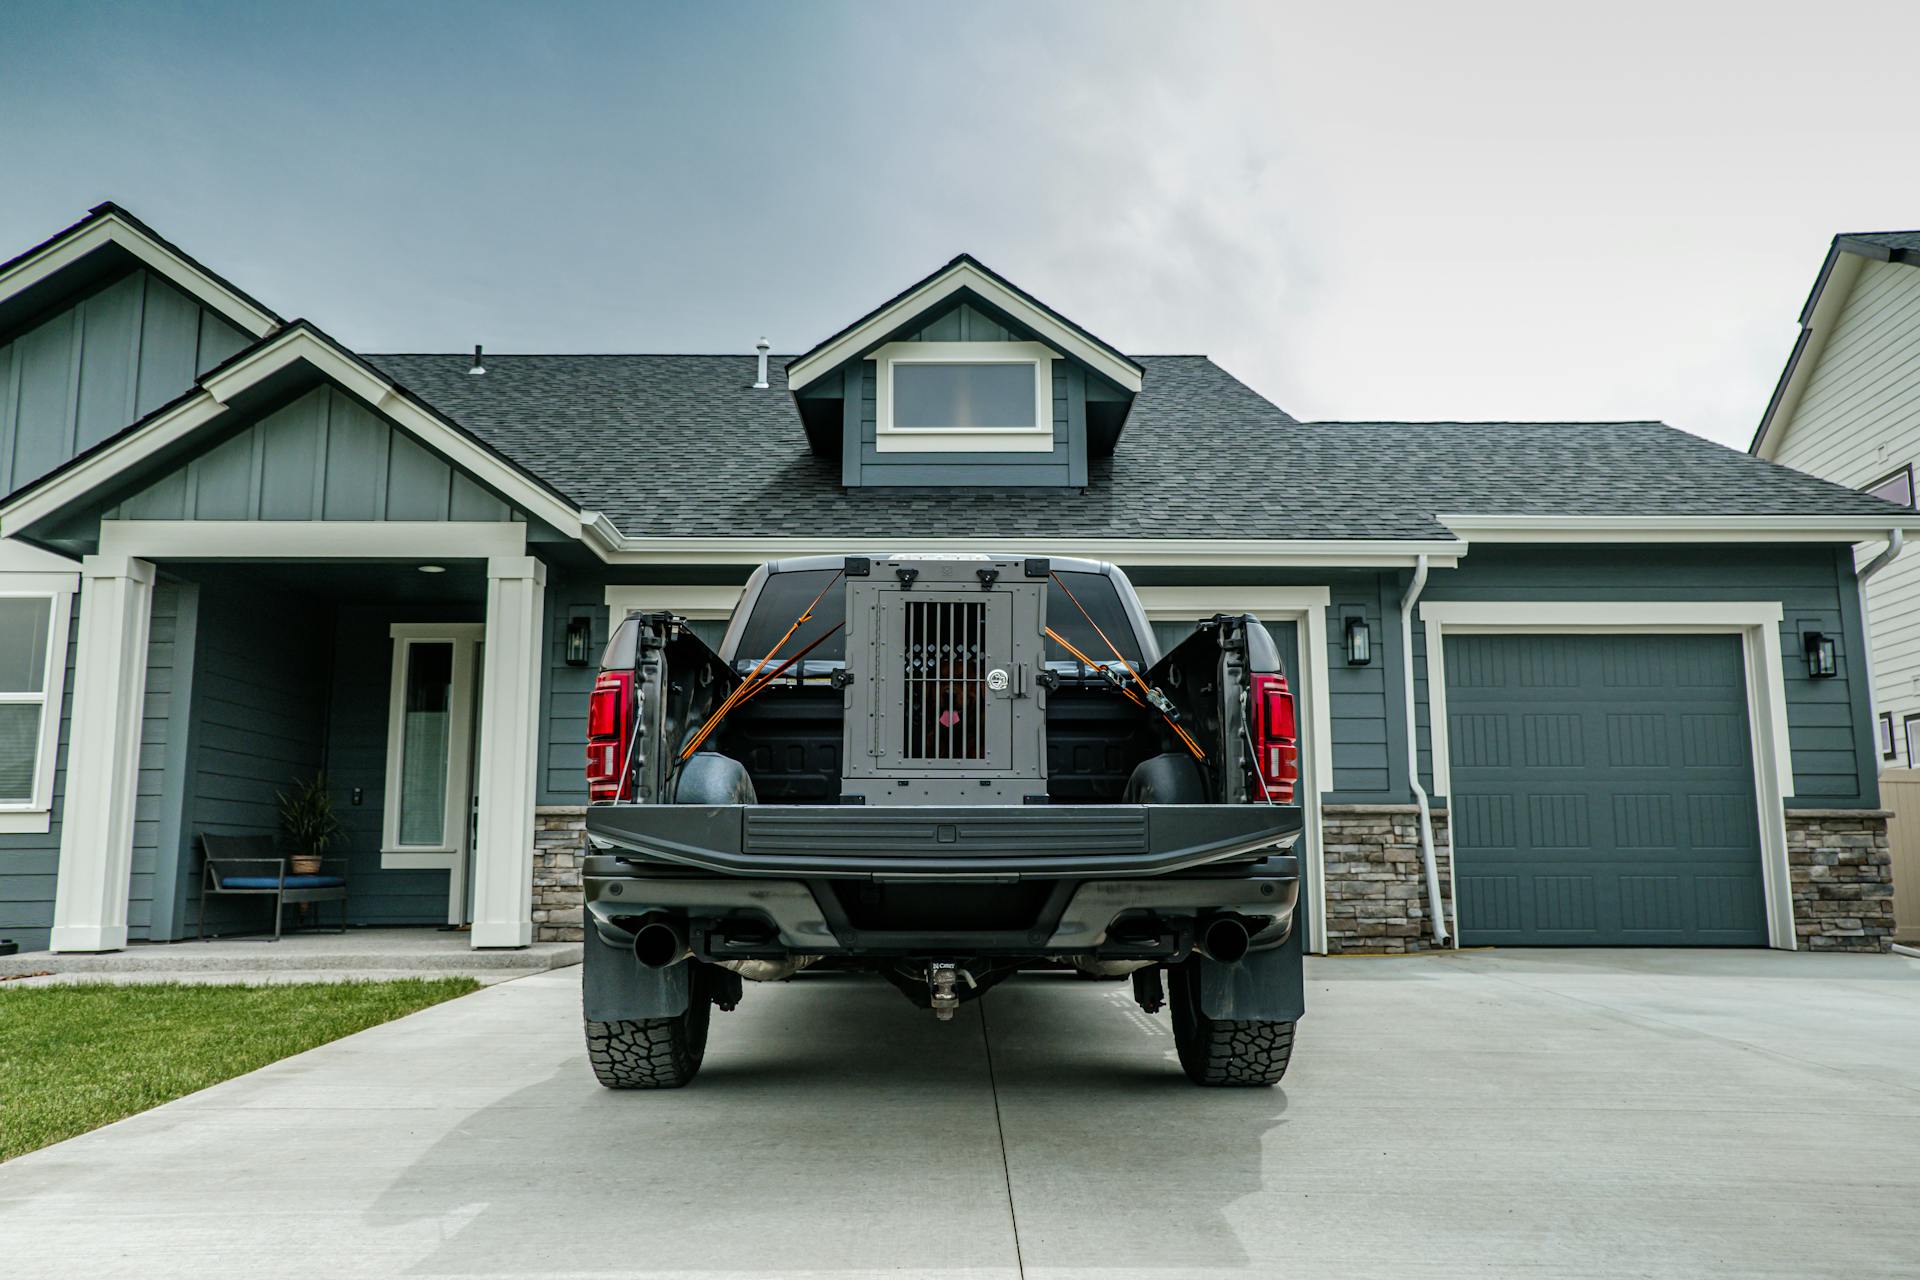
(695, 603)
(1756, 622)
(1307, 607)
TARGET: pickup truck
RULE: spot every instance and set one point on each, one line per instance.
(944, 770)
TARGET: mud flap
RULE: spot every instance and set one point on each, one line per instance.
(1267, 986)
(615, 987)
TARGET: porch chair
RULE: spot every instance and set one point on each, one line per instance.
(249, 865)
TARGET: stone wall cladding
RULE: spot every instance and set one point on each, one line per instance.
(1842, 878)
(559, 842)
(1376, 886)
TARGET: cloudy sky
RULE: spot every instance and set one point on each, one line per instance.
(1389, 210)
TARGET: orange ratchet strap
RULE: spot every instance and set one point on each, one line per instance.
(752, 685)
(1148, 696)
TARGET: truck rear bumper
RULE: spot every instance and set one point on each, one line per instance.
(946, 842)
(1081, 923)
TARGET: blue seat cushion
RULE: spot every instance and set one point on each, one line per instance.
(292, 882)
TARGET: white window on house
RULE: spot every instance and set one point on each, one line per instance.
(1887, 748)
(430, 730)
(964, 397)
(33, 653)
(1896, 488)
(1910, 730)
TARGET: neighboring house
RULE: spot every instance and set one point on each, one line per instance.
(1847, 409)
(1633, 687)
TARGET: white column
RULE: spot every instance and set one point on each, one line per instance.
(96, 823)
(509, 737)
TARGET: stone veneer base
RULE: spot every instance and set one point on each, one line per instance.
(559, 842)
(1376, 885)
(1842, 875)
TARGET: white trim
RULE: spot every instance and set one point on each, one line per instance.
(698, 603)
(450, 855)
(1306, 607)
(293, 346)
(312, 539)
(19, 557)
(34, 815)
(513, 664)
(1038, 438)
(111, 228)
(103, 746)
(1818, 325)
(1761, 528)
(1131, 552)
(959, 276)
(1756, 622)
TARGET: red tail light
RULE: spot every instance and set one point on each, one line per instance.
(1276, 738)
(609, 726)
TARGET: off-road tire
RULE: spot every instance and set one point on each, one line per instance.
(1224, 1052)
(653, 1053)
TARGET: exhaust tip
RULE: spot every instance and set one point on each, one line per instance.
(1225, 939)
(660, 941)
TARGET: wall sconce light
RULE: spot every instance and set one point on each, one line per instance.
(579, 640)
(1359, 642)
(1821, 662)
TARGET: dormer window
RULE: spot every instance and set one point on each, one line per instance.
(964, 397)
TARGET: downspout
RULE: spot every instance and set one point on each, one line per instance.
(1896, 539)
(1427, 860)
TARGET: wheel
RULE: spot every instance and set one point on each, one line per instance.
(1215, 1051)
(654, 1053)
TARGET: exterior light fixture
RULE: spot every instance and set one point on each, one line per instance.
(1359, 642)
(433, 568)
(579, 640)
(1821, 662)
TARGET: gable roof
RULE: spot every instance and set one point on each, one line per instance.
(682, 446)
(168, 432)
(965, 275)
(109, 230)
(1839, 270)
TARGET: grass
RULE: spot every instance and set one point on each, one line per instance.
(74, 1058)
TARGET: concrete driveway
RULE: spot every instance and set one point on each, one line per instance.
(1532, 1114)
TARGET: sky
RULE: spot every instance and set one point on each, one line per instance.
(1381, 211)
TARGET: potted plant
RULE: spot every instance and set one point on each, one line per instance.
(308, 822)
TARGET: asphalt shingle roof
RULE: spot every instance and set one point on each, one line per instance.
(682, 445)
(1907, 241)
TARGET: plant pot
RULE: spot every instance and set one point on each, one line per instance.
(304, 864)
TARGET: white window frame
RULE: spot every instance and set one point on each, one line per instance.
(449, 854)
(34, 816)
(1038, 438)
(1756, 622)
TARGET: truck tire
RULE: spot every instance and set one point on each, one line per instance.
(1224, 1052)
(653, 1053)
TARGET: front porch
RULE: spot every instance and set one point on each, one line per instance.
(263, 671)
(359, 955)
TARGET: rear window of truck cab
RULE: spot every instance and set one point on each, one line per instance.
(786, 595)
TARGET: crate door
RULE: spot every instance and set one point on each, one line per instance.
(940, 654)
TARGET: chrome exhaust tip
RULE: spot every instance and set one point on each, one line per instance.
(1224, 939)
(661, 941)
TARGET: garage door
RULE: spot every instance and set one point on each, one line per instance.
(1602, 791)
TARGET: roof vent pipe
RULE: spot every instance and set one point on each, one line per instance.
(762, 346)
(476, 366)
(1427, 860)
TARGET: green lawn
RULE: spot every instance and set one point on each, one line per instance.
(75, 1058)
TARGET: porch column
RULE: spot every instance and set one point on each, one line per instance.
(96, 818)
(509, 734)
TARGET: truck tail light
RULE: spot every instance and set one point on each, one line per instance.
(1276, 738)
(609, 728)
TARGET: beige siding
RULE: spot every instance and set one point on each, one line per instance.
(1858, 420)
(1900, 792)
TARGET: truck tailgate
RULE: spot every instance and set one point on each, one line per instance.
(944, 841)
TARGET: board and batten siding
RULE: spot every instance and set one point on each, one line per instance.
(1857, 421)
(102, 363)
(1065, 466)
(323, 457)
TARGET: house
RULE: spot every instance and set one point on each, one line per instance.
(1847, 409)
(1562, 683)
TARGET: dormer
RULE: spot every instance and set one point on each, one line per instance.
(963, 380)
